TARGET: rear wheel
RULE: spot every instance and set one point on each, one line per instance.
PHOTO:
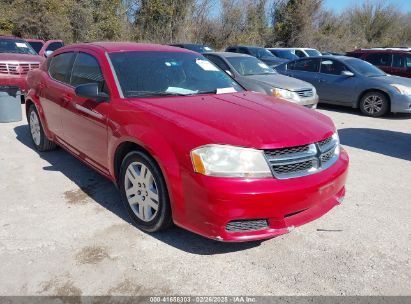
(144, 192)
(374, 104)
(40, 140)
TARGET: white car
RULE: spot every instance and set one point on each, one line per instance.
(300, 52)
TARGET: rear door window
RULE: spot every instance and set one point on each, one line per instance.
(381, 59)
(60, 67)
(299, 53)
(306, 65)
(332, 67)
(243, 50)
(399, 61)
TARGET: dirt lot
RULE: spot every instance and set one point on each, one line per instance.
(65, 232)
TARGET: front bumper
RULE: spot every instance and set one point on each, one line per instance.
(310, 102)
(14, 80)
(400, 103)
(284, 204)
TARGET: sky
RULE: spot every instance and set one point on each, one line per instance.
(340, 5)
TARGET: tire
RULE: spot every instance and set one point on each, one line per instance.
(143, 191)
(40, 140)
(374, 104)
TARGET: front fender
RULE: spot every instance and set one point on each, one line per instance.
(160, 149)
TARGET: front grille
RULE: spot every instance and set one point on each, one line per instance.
(327, 156)
(305, 93)
(325, 142)
(285, 151)
(294, 167)
(18, 68)
(304, 160)
(246, 225)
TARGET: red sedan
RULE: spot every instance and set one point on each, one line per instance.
(184, 142)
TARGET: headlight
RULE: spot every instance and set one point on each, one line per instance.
(286, 94)
(402, 89)
(230, 161)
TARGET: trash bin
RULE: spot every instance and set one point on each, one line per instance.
(10, 104)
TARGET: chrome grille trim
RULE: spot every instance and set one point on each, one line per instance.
(301, 161)
(11, 67)
(305, 93)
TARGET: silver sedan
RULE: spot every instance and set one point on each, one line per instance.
(255, 75)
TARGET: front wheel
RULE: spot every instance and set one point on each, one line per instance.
(40, 140)
(374, 104)
(144, 192)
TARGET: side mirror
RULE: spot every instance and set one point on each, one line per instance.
(229, 73)
(91, 91)
(48, 53)
(347, 73)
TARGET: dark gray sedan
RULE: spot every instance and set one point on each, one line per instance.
(255, 75)
(352, 82)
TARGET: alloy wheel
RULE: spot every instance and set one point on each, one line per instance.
(141, 191)
(373, 104)
(35, 128)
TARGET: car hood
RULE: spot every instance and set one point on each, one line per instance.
(281, 82)
(20, 57)
(393, 80)
(245, 119)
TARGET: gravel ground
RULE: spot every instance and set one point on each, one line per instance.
(65, 232)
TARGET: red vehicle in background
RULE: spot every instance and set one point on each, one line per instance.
(184, 142)
(45, 48)
(17, 58)
(395, 61)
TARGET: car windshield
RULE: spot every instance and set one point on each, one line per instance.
(151, 74)
(313, 53)
(364, 68)
(260, 52)
(285, 54)
(36, 45)
(16, 46)
(247, 66)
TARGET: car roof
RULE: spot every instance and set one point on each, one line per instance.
(245, 46)
(291, 48)
(188, 44)
(381, 50)
(338, 57)
(229, 54)
(112, 47)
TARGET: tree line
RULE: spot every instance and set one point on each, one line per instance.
(283, 23)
